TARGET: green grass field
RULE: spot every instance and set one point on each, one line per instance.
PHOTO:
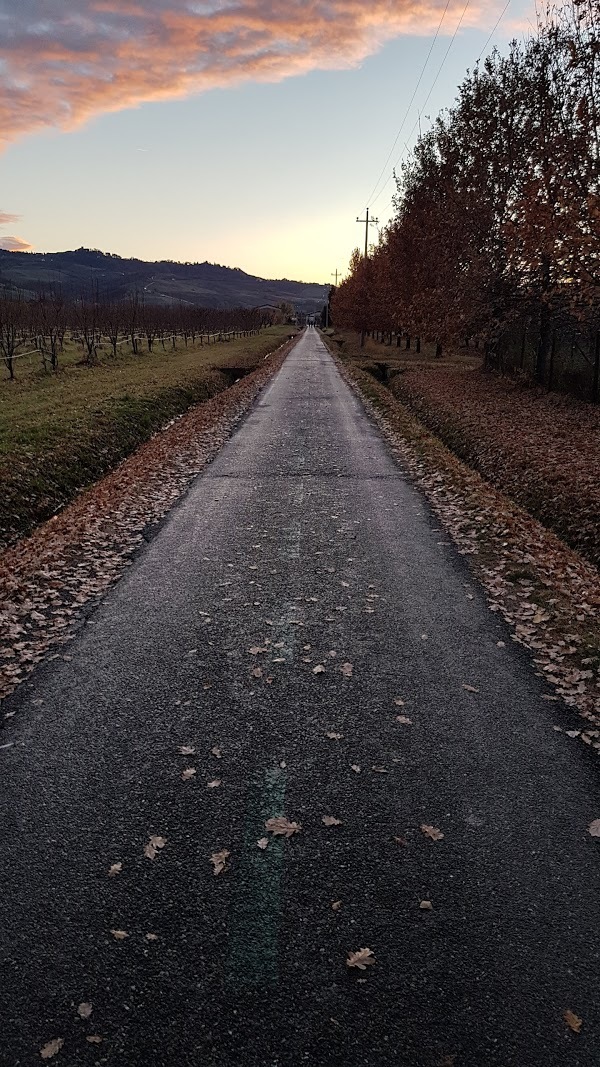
(60, 432)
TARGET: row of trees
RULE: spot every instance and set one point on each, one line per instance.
(497, 222)
(42, 325)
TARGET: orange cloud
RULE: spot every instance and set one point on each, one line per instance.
(62, 63)
(14, 244)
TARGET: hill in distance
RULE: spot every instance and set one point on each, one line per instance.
(164, 282)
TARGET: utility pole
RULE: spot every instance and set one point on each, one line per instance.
(368, 222)
(336, 276)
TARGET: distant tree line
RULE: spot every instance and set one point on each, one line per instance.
(42, 325)
(496, 234)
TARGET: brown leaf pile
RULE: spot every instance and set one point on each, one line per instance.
(543, 450)
(46, 579)
(547, 593)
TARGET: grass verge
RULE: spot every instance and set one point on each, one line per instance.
(59, 433)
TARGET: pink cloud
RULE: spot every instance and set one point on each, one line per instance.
(62, 63)
(6, 218)
(14, 244)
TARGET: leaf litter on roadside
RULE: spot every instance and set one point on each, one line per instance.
(154, 847)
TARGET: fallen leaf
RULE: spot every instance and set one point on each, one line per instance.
(470, 688)
(158, 842)
(319, 669)
(401, 840)
(188, 773)
(404, 720)
(119, 935)
(282, 827)
(426, 905)
(595, 828)
(432, 832)
(399, 702)
(52, 1048)
(257, 651)
(361, 959)
(355, 767)
(380, 770)
(84, 1010)
(333, 736)
(330, 820)
(151, 937)
(347, 669)
(150, 852)
(187, 750)
(336, 905)
(573, 1021)
(216, 782)
(115, 869)
(263, 843)
(217, 752)
(257, 672)
(94, 1039)
(219, 861)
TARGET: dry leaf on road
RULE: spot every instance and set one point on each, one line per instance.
(119, 935)
(333, 736)
(347, 669)
(282, 827)
(263, 843)
(470, 688)
(361, 959)
(594, 829)
(219, 861)
(426, 905)
(151, 937)
(404, 720)
(84, 1010)
(187, 750)
(432, 832)
(188, 773)
(330, 820)
(355, 767)
(217, 752)
(52, 1048)
(115, 869)
(257, 672)
(336, 905)
(216, 782)
(399, 702)
(94, 1039)
(319, 669)
(573, 1021)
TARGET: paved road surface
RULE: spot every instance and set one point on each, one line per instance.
(303, 538)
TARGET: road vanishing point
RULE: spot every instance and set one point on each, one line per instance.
(301, 631)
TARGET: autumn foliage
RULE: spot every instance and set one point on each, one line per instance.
(495, 240)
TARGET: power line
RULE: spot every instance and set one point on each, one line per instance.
(412, 100)
(485, 47)
(430, 93)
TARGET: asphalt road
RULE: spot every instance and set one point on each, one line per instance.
(303, 538)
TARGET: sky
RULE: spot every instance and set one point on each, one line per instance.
(250, 133)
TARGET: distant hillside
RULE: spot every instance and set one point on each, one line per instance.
(202, 284)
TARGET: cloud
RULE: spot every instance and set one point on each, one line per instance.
(14, 244)
(6, 218)
(62, 63)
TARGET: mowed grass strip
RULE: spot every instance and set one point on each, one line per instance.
(61, 432)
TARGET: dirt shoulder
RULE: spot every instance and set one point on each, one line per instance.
(50, 581)
(547, 593)
(541, 449)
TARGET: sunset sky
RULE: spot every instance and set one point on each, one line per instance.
(246, 132)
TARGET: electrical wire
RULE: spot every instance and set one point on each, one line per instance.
(412, 100)
(430, 93)
(492, 34)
